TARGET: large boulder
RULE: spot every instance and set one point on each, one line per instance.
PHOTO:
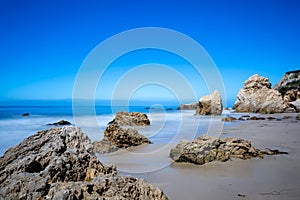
(210, 105)
(131, 119)
(258, 97)
(207, 149)
(59, 163)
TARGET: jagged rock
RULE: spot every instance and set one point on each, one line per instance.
(104, 146)
(207, 149)
(188, 106)
(59, 164)
(131, 119)
(59, 123)
(210, 105)
(107, 187)
(258, 97)
(122, 137)
(228, 119)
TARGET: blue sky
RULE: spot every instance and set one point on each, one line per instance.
(43, 43)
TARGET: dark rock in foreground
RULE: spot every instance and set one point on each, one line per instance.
(59, 163)
(25, 114)
(59, 123)
(131, 119)
(207, 149)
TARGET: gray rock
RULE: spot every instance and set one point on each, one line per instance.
(207, 149)
(210, 105)
(51, 161)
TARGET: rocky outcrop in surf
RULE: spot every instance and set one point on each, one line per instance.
(117, 136)
(210, 105)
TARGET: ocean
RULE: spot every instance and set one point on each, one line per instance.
(166, 122)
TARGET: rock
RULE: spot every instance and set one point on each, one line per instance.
(290, 95)
(25, 114)
(298, 117)
(256, 118)
(210, 105)
(188, 106)
(228, 119)
(132, 119)
(289, 85)
(258, 97)
(295, 105)
(124, 137)
(271, 118)
(207, 149)
(104, 146)
(59, 164)
(59, 123)
(286, 117)
(245, 116)
(169, 109)
(107, 187)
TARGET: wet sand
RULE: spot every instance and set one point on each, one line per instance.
(274, 177)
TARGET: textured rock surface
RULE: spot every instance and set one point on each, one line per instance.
(258, 97)
(210, 105)
(295, 105)
(290, 82)
(45, 164)
(188, 106)
(123, 137)
(207, 149)
(131, 119)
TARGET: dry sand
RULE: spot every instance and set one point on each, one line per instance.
(274, 177)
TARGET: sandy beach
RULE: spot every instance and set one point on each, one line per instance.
(273, 177)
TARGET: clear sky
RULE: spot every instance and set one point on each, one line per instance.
(43, 43)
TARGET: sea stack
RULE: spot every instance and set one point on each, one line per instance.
(258, 97)
(210, 105)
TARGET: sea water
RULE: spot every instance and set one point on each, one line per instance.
(167, 125)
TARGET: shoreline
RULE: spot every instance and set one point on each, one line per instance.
(273, 177)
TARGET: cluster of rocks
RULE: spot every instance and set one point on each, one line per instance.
(59, 164)
(117, 136)
(247, 117)
(188, 106)
(207, 149)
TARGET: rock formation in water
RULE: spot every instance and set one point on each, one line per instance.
(207, 149)
(258, 97)
(59, 123)
(59, 164)
(210, 105)
(116, 136)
